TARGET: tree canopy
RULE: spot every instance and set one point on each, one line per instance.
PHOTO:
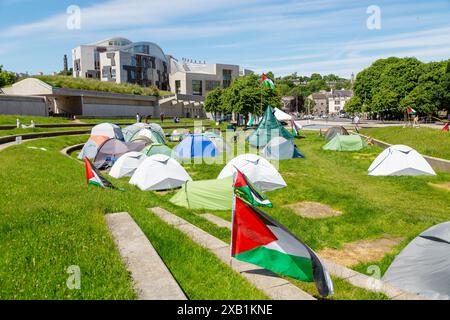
(6, 77)
(391, 85)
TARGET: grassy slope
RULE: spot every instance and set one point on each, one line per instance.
(51, 220)
(11, 120)
(16, 131)
(427, 141)
(372, 206)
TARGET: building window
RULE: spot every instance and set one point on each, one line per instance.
(211, 85)
(177, 86)
(197, 89)
(226, 75)
(113, 73)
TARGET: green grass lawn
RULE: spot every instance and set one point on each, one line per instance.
(51, 220)
(16, 131)
(10, 120)
(430, 142)
(43, 232)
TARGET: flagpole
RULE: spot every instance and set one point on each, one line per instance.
(232, 220)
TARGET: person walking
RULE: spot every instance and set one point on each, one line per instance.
(161, 116)
(138, 117)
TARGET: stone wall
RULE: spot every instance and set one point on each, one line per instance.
(22, 105)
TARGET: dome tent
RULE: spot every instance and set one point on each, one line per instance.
(130, 131)
(333, 131)
(112, 149)
(157, 148)
(400, 160)
(159, 172)
(196, 146)
(157, 128)
(353, 142)
(280, 148)
(127, 164)
(90, 148)
(206, 194)
(109, 130)
(257, 169)
(423, 267)
(268, 128)
(148, 134)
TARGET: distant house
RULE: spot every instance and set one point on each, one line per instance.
(337, 100)
(331, 102)
(320, 103)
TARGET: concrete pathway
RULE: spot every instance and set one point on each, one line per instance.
(152, 279)
(268, 282)
(355, 278)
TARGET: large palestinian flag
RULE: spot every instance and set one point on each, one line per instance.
(267, 82)
(247, 191)
(94, 177)
(260, 240)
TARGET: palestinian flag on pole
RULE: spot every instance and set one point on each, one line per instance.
(268, 82)
(248, 192)
(260, 240)
(94, 177)
(445, 128)
(411, 111)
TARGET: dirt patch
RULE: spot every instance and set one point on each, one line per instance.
(361, 251)
(313, 210)
(163, 192)
(445, 186)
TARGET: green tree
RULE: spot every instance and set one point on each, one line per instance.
(353, 105)
(6, 77)
(213, 101)
(248, 95)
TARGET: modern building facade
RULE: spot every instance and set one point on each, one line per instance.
(122, 61)
(198, 78)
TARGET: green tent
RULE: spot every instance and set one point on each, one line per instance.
(157, 148)
(206, 194)
(268, 128)
(352, 142)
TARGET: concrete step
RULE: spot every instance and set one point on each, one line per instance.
(268, 282)
(152, 279)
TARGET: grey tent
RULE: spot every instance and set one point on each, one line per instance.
(423, 267)
(333, 131)
(112, 149)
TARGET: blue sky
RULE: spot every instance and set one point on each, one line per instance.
(284, 36)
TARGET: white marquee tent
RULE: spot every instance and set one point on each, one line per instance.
(159, 172)
(281, 115)
(257, 169)
(127, 164)
(400, 160)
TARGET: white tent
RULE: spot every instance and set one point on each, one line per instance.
(257, 169)
(159, 172)
(156, 127)
(127, 164)
(400, 160)
(107, 129)
(280, 148)
(281, 115)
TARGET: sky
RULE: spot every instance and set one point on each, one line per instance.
(282, 36)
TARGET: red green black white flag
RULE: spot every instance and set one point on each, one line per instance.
(94, 177)
(248, 192)
(258, 239)
(268, 82)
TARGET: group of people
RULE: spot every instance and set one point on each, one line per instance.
(149, 117)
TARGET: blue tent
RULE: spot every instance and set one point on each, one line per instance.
(196, 146)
